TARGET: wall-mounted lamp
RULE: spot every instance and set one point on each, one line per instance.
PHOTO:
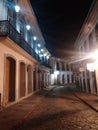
(34, 38)
(44, 54)
(38, 45)
(91, 66)
(47, 57)
(28, 27)
(41, 50)
(17, 8)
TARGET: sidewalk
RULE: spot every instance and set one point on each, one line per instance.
(15, 114)
(89, 99)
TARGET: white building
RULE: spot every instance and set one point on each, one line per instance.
(21, 45)
(61, 72)
(86, 63)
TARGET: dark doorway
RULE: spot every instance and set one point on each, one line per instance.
(34, 80)
(10, 79)
(22, 79)
(29, 70)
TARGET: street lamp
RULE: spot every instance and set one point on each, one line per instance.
(41, 50)
(28, 27)
(91, 66)
(17, 8)
(44, 55)
(94, 55)
(34, 38)
(38, 45)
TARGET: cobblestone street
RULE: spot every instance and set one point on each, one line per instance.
(54, 108)
(59, 109)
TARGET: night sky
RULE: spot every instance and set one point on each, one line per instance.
(60, 23)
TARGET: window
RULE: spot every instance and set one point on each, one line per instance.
(57, 66)
(63, 67)
(67, 67)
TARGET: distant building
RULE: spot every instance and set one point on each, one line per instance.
(61, 71)
(22, 52)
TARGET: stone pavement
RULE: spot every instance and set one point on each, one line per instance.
(16, 113)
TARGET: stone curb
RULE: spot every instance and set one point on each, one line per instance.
(85, 102)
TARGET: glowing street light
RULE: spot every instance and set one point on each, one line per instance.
(34, 38)
(28, 27)
(44, 54)
(91, 66)
(47, 57)
(41, 50)
(38, 45)
(17, 8)
(94, 55)
(56, 72)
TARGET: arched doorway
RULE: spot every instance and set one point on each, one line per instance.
(22, 79)
(29, 70)
(10, 80)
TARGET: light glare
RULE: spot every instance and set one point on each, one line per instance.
(41, 50)
(34, 37)
(28, 27)
(38, 45)
(56, 72)
(17, 8)
(91, 66)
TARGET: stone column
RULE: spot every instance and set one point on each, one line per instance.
(96, 73)
(82, 85)
(85, 74)
(91, 82)
(70, 78)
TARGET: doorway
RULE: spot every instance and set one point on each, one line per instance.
(22, 79)
(10, 80)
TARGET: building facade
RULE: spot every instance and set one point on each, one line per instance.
(22, 52)
(61, 71)
(85, 66)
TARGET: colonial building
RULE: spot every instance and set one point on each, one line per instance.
(22, 52)
(85, 66)
(61, 71)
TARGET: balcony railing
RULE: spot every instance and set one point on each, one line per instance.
(7, 29)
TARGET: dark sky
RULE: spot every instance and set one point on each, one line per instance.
(60, 22)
